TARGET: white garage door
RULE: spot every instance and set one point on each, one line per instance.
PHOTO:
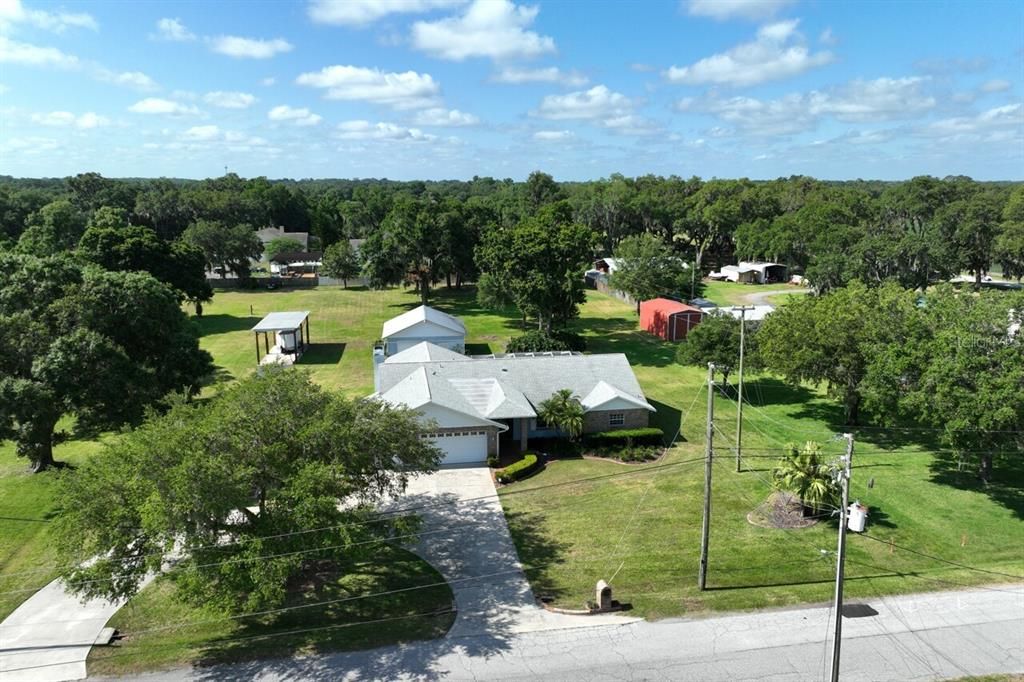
(462, 448)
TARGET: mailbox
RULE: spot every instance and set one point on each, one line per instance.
(604, 595)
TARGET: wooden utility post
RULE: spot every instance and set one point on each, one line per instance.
(739, 388)
(844, 480)
(705, 527)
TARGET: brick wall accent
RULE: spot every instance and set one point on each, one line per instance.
(594, 422)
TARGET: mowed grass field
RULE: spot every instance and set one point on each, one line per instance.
(583, 520)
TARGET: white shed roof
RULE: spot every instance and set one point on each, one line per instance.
(419, 315)
(280, 322)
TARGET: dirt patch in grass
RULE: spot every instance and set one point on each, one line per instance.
(781, 510)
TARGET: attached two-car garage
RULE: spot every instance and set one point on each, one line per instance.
(461, 447)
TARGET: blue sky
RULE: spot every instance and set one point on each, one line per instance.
(431, 89)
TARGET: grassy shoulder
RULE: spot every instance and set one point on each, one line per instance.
(162, 632)
(27, 501)
(642, 524)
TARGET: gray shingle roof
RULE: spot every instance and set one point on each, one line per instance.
(525, 382)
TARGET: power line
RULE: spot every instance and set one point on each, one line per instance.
(940, 559)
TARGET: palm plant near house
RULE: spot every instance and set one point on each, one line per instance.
(801, 472)
(564, 411)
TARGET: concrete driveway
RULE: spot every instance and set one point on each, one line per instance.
(475, 553)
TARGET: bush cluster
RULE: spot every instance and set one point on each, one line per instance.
(519, 470)
(538, 341)
(627, 437)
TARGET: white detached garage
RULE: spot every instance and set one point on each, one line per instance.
(423, 324)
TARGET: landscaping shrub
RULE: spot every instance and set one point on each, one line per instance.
(519, 470)
(538, 341)
(492, 462)
(627, 437)
(535, 342)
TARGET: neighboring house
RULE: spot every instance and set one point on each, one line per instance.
(753, 313)
(269, 234)
(423, 324)
(606, 265)
(671, 320)
(292, 262)
(475, 401)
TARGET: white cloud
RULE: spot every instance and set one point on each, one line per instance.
(439, 116)
(268, 81)
(596, 103)
(202, 133)
(721, 10)
(229, 100)
(13, 52)
(131, 79)
(488, 28)
(173, 30)
(553, 135)
(771, 56)
(29, 145)
(363, 12)
(996, 85)
(552, 74)
(13, 12)
(364, 130)
(611, 110)
(155, 105)
(249, 48)
(409, 90)
(300, 117)
(881, 99)
(86, 121)
(4, 89)
(991, 125)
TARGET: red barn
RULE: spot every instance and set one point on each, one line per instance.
(671, 320)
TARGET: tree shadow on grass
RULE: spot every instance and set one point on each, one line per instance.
(322, 354)
(619, 335)
(210, 325)
(478, 349)
(1005, 488)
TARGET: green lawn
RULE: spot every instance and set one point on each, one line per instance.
(641, 528)
(644, 527)
(27, 560)
(169, 633)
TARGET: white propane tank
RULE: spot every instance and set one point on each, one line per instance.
(857, 517)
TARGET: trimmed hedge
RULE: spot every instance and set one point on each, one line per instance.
(519, 470)
(628, 437)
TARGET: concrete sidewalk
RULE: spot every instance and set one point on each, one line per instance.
(915, 637)
(48, 637)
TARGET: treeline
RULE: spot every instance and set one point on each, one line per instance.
(422, 233)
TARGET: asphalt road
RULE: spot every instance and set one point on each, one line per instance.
(915, 637)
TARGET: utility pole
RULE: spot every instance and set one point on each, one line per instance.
(844, 481)
(739, 389)
(705, 527)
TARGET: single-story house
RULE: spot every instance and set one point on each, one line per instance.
(291, 262)
(671, 320)
(473, 401)
(423, 324)
(753, 313)
(269, 234)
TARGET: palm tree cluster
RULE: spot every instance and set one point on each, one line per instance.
(564, 411)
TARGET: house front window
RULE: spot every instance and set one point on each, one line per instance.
(616, 419)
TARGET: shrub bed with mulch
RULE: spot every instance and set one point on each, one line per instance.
(781, 510)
